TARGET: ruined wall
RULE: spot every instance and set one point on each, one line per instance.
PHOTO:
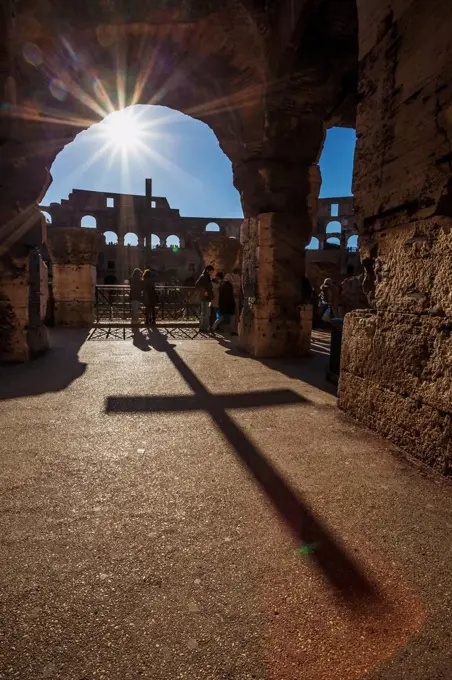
(396, 372)
(23, 283)
(267, 94)
(144, 216)
(224, 254)
(74, 252)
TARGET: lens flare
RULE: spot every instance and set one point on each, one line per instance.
(123, 131)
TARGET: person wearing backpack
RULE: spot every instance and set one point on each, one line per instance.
(205, 291)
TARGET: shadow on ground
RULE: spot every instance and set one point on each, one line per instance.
(52, 372)
(311, 369)
(181, 331)
(342, 571)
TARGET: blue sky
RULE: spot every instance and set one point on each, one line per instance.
(181, 155)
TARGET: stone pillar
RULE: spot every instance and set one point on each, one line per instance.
(280, 201)
(273, 261)
(396, 370)
(74, 252)
(22, 331)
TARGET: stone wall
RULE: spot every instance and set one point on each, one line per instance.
(396, 371)
(22, 333)
(74, 252)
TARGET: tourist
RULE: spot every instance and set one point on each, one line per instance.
(226, 304)
(238, 297)
(329, 299)
(150, 297)
(136, 291)
(205, 291)
(214, 303)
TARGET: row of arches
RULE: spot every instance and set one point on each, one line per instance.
(131, 239)
(314, 243)
(90, 222)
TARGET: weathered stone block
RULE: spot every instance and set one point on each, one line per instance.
(413, 267)
(74, 252)
(273, 323)
(22, 333)
(396, 377)
(74, 245)
(74, 292)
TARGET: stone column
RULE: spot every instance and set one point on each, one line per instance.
(396, 361)
(74, 252)
(280, 200)
(22, 331)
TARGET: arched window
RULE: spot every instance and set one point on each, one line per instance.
(130, 239)
(155, 241)
(173, 242)
(89, 222)
(111, 238)
(313, 244)
(352, 241)
(47, 216)
(212, 226)
(334, 227)
(233, 237)
(332, 243)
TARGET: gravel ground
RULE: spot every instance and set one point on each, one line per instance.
(173, 509)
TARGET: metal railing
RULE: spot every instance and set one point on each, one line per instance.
(175, 303)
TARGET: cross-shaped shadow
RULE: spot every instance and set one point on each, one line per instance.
(342, 571)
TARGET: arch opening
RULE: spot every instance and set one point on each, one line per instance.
(155, 241)
(212, 227)
(333, 227)
(313, 244)
(352, 242)
(332, 243)
(88, 222)
(111, 239)
(173, 242)
(48, 216)
(130, 239)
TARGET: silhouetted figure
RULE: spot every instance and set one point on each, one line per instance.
(136, 294)
(226, 303)
(150, 297)
(215, 302)
(205, 291)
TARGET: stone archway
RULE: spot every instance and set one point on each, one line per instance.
(216, 66)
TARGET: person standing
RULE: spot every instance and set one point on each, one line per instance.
(150, 297)
(218, 278)
(238, 296)
(226, 304)
(136, 292)
(329, 298)
(205, 291)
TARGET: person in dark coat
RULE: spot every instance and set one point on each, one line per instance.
(205, 291)
(226, 303)
(136, 294)
(150, 296)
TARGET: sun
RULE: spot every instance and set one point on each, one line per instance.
(123, 131)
